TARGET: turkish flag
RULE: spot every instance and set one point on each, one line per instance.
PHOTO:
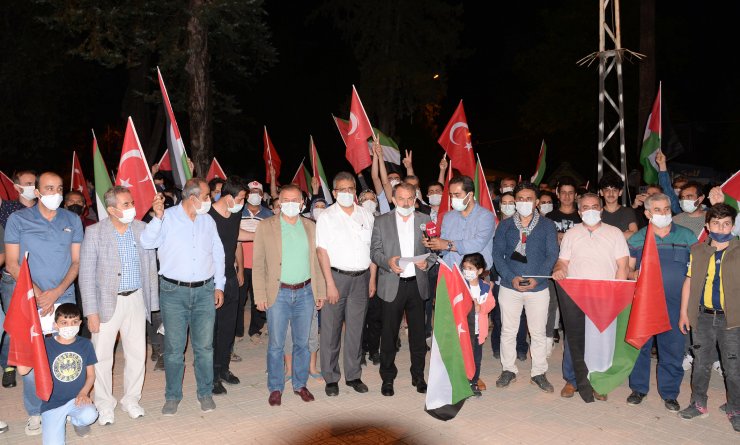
(455, 140)
(215, 171)
(355, 134)
(22, 323)
(7, 188)
(77, 181)
(134, 173)
(649, 315)
(271, 157)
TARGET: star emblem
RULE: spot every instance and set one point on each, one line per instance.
(125, 182)
(34, 333)
(80, 188)
(460, 329)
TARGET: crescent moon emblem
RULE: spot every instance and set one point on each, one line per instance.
(455, 127)
(353, 122)
(130, 154)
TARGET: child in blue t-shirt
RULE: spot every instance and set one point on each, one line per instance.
(71, 361)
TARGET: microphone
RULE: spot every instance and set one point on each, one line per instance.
(431, 229)
(423, 228)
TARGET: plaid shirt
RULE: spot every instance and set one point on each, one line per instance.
(130, 266)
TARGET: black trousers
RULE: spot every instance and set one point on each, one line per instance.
(373, 326)
(225, 327)
(257, 318)
(409, 301)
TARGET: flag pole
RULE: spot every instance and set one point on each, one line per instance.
(143, 158)
(72, 177)
(375, 136)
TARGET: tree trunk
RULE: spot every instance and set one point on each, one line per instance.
(133, 101)
(199, 89)
(647, 66)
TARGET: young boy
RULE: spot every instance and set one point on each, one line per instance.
(71, 360)
(710, 304)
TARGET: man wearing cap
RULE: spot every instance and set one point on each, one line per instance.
(253, 213)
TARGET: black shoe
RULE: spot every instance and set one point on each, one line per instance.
(159, 366)
(635, 398)
(363, 361)
(229, 378)
(421, 385)
(9, 378)
(476, 391)
(505, 379)
(218, 388)
(357, 385)
(671, 404)
(155, 354)
(521, 356)
(497, 355)
(375, 358)
(387, 389)
(332, 389)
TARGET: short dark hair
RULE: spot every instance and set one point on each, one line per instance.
(67, 310)
(699, 189)
(719, 211)
(233, 186)
(567, 180)
(435, 183)
(289, 187)
(526, 185)
(38, 177)
(343, 176)
(18, 174)
(508, 194)
(468, 185)
(546, 193)
(406, 186)
(476, 260)
(611, 180)
(214, 182)
(657, 186)
(508, 178)
(73, 192)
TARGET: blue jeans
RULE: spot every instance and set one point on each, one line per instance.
(294, 307)
(184, 307)
(54, 421)
(569, 374)
(670, 346)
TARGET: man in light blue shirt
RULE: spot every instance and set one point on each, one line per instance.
(191, 284)
(466, 228)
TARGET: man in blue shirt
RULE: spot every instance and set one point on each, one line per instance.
(525, 245)
(51, 237)
(191, 287)
(674, 246)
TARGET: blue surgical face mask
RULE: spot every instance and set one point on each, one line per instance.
(217, 196)
(721, 237)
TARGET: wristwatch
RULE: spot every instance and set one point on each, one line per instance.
(449, 245)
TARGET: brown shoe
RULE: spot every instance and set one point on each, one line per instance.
(275, 398)
(481, 385)
(568, 391)
(601, 397)
(305, 394)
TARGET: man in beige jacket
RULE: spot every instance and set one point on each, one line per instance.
(288, 284)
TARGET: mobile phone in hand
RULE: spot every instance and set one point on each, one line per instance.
(524, 282)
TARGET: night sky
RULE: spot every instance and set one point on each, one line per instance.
(520, 84)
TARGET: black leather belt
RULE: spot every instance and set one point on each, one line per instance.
(126, 293)
(295, 286)
(706, 310)
(185, 283)
(351, 273)
(407, 278)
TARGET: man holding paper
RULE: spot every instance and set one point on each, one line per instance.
(402, 260)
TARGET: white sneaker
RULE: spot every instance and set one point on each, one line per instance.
(3, 427)
(134, 411)
(717, 367)
(687, 362)
(33, 426)
(106, 417)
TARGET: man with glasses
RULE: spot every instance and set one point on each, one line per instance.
(343, 235)
(615, 214)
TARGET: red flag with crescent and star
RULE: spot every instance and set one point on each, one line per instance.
(77, 181)
(455, 140)
(134, 173)
(23, 325)
(356, 133)
(271, 157)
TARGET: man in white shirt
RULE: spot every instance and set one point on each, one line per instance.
(343, 236)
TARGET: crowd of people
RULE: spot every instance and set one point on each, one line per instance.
(349, 275)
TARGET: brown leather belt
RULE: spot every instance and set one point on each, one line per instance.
(295, 286)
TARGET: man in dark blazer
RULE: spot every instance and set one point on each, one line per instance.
(397, 235)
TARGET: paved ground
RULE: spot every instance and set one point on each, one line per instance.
(519, 414)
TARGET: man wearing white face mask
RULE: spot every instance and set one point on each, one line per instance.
(693, 216)
(119, 289)
(51, 236)
(226, 212)
(343, 236)
(674, 246)
(592, 250)
(191, 287)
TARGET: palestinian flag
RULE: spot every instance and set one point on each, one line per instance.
(651, 143)
(215, 171)
(731, 189)
(302, 179)
(451, 364)
(596, 314)
(178, 158)
(102, 180)
(482, 194)
(318, 172)
(391, 152)
(539, 173)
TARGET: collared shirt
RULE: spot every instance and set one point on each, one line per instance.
(48, 243)
(593, 254)
(470, 234)
(249, 223)
(7, 207)
(130, 263)
(406, 241)
(346, 238)
(295, 266)
(188, 250)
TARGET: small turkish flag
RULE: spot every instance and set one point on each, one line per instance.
(271, 157)
(22, 323)
(215, 171)
(455, 139)
(355, 134)
(78, 182)
(134, 173)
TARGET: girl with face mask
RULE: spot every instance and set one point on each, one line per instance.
(508, 205)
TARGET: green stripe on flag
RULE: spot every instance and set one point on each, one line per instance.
(186, 166)
(625, 356)
(647, 157)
